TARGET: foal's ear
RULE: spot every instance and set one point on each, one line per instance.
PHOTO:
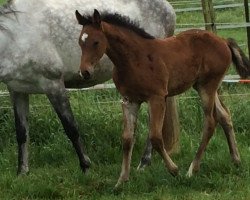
(81, 19)
(96, 18)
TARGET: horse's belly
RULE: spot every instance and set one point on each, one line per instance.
(133, 94)
(139, 88)
(179, 88)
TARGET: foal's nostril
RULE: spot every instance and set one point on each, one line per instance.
(86, 75)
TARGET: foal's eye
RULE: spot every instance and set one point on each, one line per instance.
(96, 43)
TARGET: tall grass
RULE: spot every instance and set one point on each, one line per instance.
(54, 167)
(54, 170)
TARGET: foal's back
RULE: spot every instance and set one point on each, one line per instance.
(193, 56)
(171, 66)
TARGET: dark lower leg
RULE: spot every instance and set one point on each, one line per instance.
(21, 109)
(61, 105)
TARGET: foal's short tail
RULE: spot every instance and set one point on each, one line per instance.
(170, 129)
(241, 62)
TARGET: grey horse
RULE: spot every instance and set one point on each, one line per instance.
(39, 54)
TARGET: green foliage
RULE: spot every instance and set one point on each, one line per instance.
(54, 169)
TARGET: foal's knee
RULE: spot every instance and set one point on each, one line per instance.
(227, 126)
(226, 122)
(127, 142)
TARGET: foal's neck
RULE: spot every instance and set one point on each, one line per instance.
(124, 45)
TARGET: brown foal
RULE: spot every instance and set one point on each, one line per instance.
(149, 69)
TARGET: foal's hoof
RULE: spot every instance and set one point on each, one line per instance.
(237, 161)
(193, 168)
(174, 172)
(120, 181)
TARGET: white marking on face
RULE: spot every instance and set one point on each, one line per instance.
(84, 37)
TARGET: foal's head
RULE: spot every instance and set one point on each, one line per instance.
(92, 41)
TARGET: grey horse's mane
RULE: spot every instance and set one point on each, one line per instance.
(6, 10)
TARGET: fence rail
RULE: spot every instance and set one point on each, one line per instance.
(219, 26)
(197, 2)
(227, 79)
(235, 5)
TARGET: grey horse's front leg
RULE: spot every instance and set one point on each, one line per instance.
(21, 109)
(61, 104)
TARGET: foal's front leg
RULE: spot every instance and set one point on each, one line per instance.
(157, 108)
(61, 104)
(130, 111)
(21, 109)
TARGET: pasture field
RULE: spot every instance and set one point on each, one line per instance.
(54, 170)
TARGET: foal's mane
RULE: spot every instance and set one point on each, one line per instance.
(123, 21)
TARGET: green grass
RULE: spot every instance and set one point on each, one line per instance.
(54, 171)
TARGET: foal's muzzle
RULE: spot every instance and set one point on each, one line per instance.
(85, 74)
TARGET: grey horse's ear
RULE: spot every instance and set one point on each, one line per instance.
(81, 19)
(96, 18)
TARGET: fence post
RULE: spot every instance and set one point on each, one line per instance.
(209, 15)
(247, 20)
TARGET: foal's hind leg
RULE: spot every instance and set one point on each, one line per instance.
(130, 111)
(170, 133)
(60, 102)
(170, 129)
(157, 108)
(207, 98)
(21, 110)
(224, 119)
